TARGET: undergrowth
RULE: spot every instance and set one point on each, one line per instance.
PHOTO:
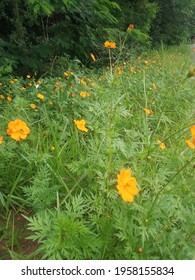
(63, 180)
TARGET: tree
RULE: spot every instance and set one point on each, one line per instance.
(173, 22)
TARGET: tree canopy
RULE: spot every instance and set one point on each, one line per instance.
(35, 32)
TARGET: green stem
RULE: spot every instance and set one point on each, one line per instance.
(110, 59)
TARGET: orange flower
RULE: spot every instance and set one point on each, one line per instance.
(191, 144)
(131, 27)
(110, 45)
(18, 130)
(93, 57)
(1, 139)
(81, 125)
(126, 185)
(192, 130)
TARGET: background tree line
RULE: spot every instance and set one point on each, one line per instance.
(36, 33)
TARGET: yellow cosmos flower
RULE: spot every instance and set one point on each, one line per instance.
(81, 125)
(161, 144)
(126, 185)
(28, 76)
(191, 144)
(82, 81)
(154, 86)
(131, 27)
(9, 99)
(18, 130)
(148, 111)
(145, 62)
(40, 96)
(1, 139)
(33, 106)
(110, 45)
(93, 57)
(84, 94)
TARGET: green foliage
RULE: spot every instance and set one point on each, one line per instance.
(35, 34)
(172, 24)
(64, 179)
(64, 234)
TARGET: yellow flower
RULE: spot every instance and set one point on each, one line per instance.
(148, 112)
(33, 106)
(18, 130)
(81, 125)
(9, 99)
(162, 145)
(110, 45)
(52, 148)
(84, 94)
(2, 96)
(126, 185)
(28, 76)
(154, 86)
(66, 73)
(1, 139)
(82, 81)
(93, 57)
(145, 62)
(41, 96)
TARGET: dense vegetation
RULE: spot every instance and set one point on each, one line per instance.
(97, 130)
(34, 33)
